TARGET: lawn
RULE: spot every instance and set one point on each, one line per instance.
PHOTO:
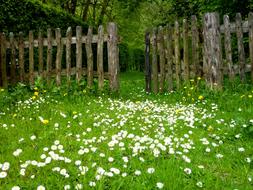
(194, 138)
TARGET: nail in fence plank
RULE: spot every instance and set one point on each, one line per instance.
(13, 59)
(228, 48)
(89, 53)
(78, 53)
(21, 57)
(213, 48)
(160, 45)
(40, 46)
(31, 58)
(147, 63)
(49, 55)
(177, 54)
(241, 51)
(58, 61)
(113, 57)
(169, 56)
(68, 54)
(195, 47)
(154, 61)
(3, 61)
(100, 68)
(186, 50)
(251, 42)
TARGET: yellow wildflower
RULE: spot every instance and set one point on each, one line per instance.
(14, 115)
(201, 97)
(45, 121)
(33, 97)
(74, 112)
(250, 96)
(36, 89)
(2, 90)
(36, 93)
(199, 78)
(210, 128)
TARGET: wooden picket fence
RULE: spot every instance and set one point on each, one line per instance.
(16, 71)
(193, 51)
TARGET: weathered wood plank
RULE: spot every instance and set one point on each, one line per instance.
(147, 63)
(251, 42)
(213, 48)
(195, 47)
(68, 54)
(113, 57)
(154, 61)
(241, 52)
(160, 44)
(3, 60)
(49, 55)
(40, 46)
(78, 53)
(100, 67)
(58, 61)
(89, 53)
(31, 58)
(177, 54)
(21, 57)
(228, 48)
(169, 56)
(13, 59)
(186, 50)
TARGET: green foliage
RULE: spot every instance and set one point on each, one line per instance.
(25, 15)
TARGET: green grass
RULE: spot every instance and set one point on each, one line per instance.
(173, 139)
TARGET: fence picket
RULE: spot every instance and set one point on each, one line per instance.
(89, 53)
(177, 54)
(160, 45)
(78, 53)
(58, 56)
(186, 51)
(100, 68)
(169, 57)
(154, 61)
(68, 54)
(195, 47)
(3, 61)
(251, 42)
(31, 58)
(228, 48)
(13, 59)
(147, 63)
(21, 52)
(241, 52)
(49, 55)
(40, 46)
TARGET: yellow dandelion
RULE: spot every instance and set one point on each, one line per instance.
(74, 112)
(201, 97)
(210, 128)
(33, 97)
(36, 89)
(36, 93)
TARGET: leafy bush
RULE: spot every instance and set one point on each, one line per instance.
(25, 15)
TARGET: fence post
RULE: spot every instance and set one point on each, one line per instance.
(49, 55)
(213, 52)
(113, 57)
(40, 46)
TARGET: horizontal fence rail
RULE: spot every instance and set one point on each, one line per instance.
(18, 64)
(179, 52)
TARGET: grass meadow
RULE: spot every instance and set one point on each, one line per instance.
(75, 138)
